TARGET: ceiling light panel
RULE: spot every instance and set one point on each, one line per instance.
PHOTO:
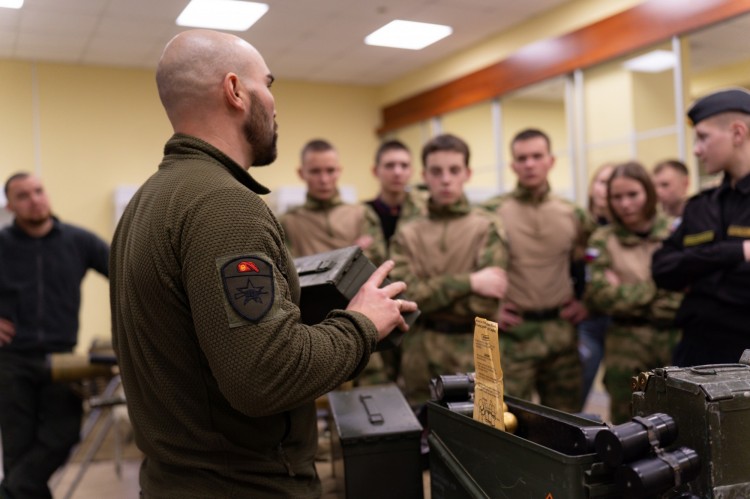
(408, 35)
(230, 15)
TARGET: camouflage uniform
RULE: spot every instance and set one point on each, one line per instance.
(434, 255)
(641, 335)
(319, 226)
(414, 205)
(545, 234)
(385, 366)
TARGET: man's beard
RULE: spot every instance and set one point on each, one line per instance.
(259, 135)
(36, 221)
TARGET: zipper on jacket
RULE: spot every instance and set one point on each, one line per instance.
(40, 291)
(280, 449)
(329, 228)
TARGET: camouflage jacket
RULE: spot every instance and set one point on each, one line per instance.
(319, 226)
(628, 255)
(436, 253)
(545, 234)
(414, 205)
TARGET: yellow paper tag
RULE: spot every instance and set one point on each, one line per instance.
(488, 380)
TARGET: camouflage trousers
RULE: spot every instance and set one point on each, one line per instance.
(543, 356)
(427, 354)
(629, 351)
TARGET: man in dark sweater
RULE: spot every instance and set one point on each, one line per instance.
(219, 373)
(42, 264)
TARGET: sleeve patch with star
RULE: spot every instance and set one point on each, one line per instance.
(248, 283)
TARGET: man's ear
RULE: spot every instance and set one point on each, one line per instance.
(299, 172)
(739, 131)
(232, 90)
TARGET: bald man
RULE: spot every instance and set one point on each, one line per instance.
(219, 374)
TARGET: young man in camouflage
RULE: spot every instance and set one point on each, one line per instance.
(641, 335)
(453, 260)
(324, 222)
(395, 203)
(538, 316)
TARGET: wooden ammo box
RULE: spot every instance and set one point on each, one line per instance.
(329, 280)
(711, 407)
(375, 443)
(551, 455)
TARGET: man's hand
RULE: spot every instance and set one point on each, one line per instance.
(379, 305)
(746, 249)
(7, 332)
(612, 278)
(491, 282)
(508, 316)
(364, 242)
(574, 312)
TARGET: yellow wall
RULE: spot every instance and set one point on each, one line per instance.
(345, 115)
(549, 116)
(731, 75)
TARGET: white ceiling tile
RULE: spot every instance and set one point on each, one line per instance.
(58, 22)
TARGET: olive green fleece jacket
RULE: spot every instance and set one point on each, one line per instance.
(219, 374)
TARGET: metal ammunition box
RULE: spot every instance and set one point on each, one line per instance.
(330, 280)
(375, 444)
(551, 455)
(711, 406)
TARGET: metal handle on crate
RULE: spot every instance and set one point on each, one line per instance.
(322, 266)
(373, 413)
(712, 369)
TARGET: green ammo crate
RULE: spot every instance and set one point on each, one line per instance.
(375, 444)
(711, 408)
(551, 456)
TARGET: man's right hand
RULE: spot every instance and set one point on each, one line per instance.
(379, 305)
(509, 316)
(746, 249)
(7, 332)
(491, 282)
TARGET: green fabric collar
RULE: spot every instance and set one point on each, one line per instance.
(187, 145)
(314, 204)
(457, 209)
(524, 194)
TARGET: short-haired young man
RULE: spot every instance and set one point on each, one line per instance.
(453, 260)
(672, 180)
(707, 255)
(324, 222)
(546, 234)
(396, 202)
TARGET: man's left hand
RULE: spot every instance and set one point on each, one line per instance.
(574, 312)
(7, 331)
